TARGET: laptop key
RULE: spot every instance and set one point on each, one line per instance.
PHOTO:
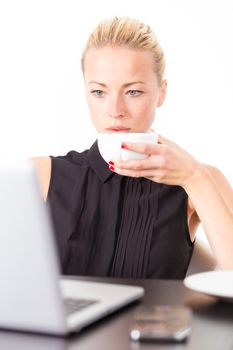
(73, 305)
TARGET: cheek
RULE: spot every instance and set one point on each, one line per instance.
(92, 106)
(96, 113)
(145, 111)
(95, 105)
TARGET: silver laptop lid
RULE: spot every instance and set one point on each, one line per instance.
(30, 297)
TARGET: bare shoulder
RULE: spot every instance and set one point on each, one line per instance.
(43, 167)
(42, 162)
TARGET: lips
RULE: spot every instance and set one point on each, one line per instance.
(118, 129)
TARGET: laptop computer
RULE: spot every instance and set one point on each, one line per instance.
(33, 295)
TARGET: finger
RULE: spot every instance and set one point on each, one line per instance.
(148, 173)
(150, 178)
(163, 140)
(152, 162)
(146, 148)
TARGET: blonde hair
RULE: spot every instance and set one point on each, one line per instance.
(127, 32)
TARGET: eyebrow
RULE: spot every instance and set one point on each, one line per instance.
(125, 85)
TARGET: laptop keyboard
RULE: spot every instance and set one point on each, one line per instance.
(73, 305)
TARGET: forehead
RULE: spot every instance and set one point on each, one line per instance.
(118, 62)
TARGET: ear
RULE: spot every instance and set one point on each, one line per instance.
(162, 94)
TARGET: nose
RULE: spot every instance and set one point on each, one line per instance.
(116, 115)
(116, 108)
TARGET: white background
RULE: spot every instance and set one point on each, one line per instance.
(42, 103)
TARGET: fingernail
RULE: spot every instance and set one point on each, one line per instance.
(123, 146)
(111, 163)
(111, 168)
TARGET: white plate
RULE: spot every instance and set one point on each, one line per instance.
(214, 283)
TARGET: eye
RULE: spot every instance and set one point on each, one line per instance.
(134, 92)
(97, 93)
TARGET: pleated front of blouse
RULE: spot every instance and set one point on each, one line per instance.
(111, 225)
(136, 226)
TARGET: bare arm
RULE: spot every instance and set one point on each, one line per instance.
(43, 166)
(212, 198)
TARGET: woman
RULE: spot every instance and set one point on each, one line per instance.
(133, 219)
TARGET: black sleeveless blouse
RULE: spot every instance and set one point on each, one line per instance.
(116, 226)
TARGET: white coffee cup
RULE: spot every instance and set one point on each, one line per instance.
(109, 145)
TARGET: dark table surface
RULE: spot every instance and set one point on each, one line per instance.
(212, 324)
